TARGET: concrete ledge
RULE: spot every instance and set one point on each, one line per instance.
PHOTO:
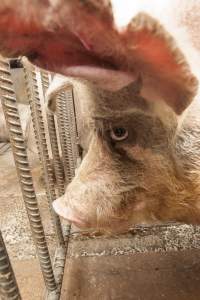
(158, 238)
(140, 276)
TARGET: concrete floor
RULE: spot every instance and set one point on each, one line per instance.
(147, 263)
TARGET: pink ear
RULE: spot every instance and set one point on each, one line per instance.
(71, 33)
(163, 67)
(64, 42)
(79, 38)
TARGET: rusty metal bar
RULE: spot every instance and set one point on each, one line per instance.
(9, 104)
(38, 124)
(59, 172)
(8, 286)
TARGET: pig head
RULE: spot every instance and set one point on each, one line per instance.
(134, 168)
(135, 87)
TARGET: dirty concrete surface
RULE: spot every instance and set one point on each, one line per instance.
(142, 276)
(146, 263)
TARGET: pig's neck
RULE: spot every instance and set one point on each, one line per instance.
(187, 143)
(187, 156)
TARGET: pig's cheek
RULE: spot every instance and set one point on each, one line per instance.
(139, 212)
(137, 152)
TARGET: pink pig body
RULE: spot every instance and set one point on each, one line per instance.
(137, 93)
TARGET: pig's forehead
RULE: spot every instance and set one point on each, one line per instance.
(95, 101)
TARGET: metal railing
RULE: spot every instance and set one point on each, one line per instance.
(64, 162)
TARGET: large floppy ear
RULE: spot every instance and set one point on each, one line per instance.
(165, 72)
(57, 34)
(79, 38)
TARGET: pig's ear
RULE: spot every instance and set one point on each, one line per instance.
(165, 72)
(79, 38)
(57, 34)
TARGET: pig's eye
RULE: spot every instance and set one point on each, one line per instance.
(118, 133)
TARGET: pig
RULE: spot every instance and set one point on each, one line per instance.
(139, 165)
(137, 92)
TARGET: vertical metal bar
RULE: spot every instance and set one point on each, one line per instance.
(8, 286)
(62, 135)
(72, 124)
(60, 253)
(38, 125)
(67, 134)
(9, 104)
(59, 172)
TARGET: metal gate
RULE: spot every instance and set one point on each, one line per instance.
(64, 152)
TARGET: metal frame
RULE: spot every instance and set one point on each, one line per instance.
(37, 81)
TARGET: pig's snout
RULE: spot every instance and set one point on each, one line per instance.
(68, 213)
(98, 197)
(92, 205)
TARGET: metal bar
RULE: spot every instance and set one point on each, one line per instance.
(67, 134)
(38, 125)
(66, 139)
(58, 266)
(72, 125)
(60, 110)
(59, 172)
(8, 286)
(9, 104)
(60, 253)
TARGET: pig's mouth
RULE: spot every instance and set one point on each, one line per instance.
(106, 218)
(107, 227)
(75, 218)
